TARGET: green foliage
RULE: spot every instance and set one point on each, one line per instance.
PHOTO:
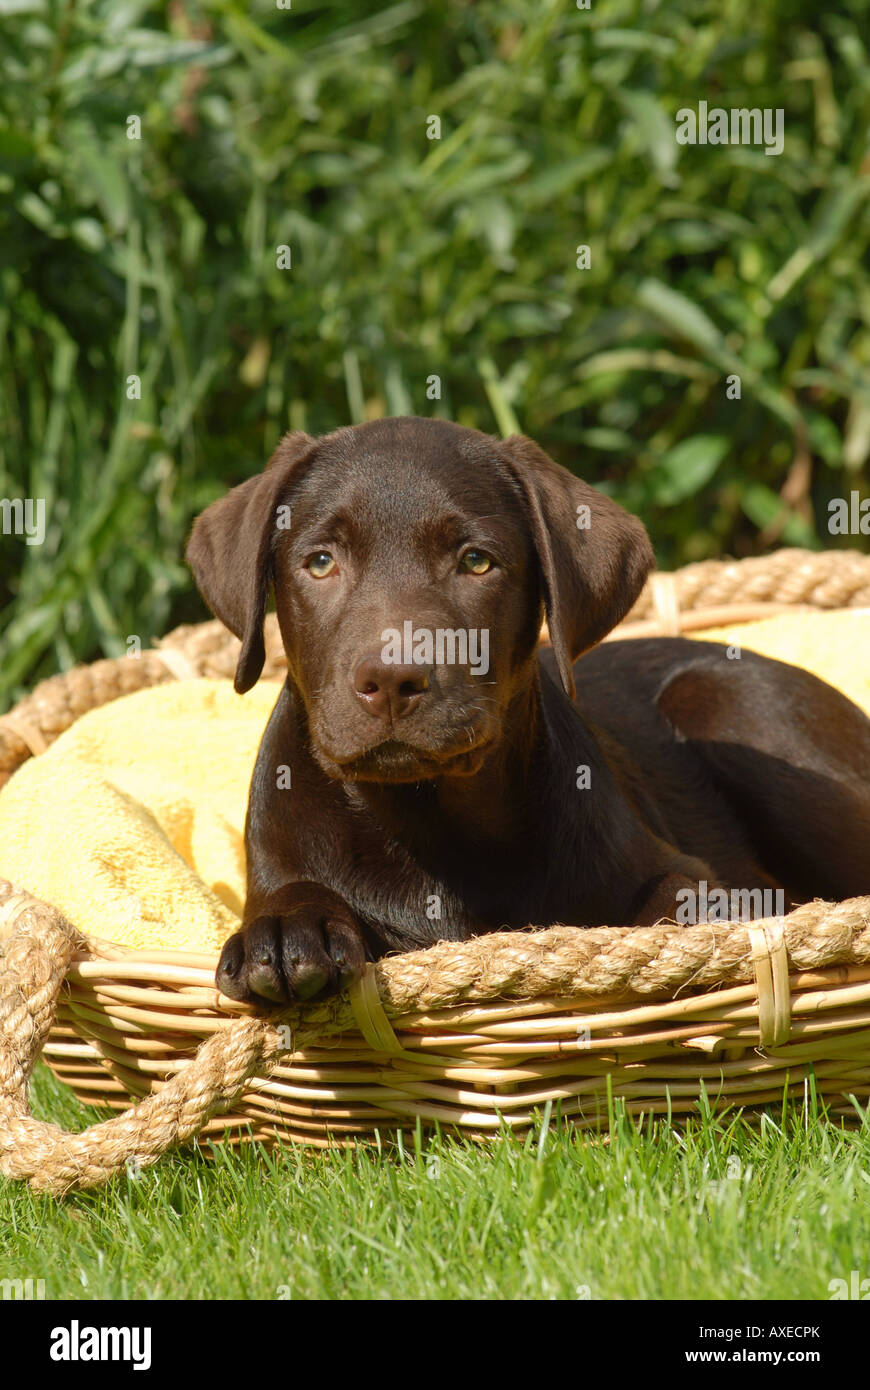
(411, 257)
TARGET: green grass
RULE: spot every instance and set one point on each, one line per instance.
(720, 1211)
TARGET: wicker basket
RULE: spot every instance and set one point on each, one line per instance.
(474, 1036)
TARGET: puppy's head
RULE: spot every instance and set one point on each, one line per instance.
(411, 560)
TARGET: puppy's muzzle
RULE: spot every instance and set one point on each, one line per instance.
(388, 692)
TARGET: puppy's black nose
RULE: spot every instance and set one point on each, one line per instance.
(389, 691)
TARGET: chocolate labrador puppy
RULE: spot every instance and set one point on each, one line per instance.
(428, 773)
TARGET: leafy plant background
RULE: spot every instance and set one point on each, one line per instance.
(412, 257)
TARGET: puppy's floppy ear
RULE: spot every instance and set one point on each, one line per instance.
(594, 556)
(230, 551)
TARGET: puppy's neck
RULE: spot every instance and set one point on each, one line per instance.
(492, 804)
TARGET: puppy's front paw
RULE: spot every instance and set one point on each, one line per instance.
(311, 947)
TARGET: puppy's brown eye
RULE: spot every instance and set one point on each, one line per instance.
(476, 562)
(320, 564)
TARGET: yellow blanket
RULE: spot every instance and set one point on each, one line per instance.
(132, 822)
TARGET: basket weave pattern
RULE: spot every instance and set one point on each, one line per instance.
(475, 1035)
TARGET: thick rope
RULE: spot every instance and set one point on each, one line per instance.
(561, 961)
(33, 961)
(823, 579)
(643, 963)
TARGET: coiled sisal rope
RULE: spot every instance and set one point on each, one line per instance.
(650, 962)
(33, 962)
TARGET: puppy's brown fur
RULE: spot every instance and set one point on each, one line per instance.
(428, 802)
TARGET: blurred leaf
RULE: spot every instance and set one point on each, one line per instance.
(688, 467)
(653, 126)
(680, 314)
(764, 507)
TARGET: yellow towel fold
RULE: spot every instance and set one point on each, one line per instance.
(132, 822)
